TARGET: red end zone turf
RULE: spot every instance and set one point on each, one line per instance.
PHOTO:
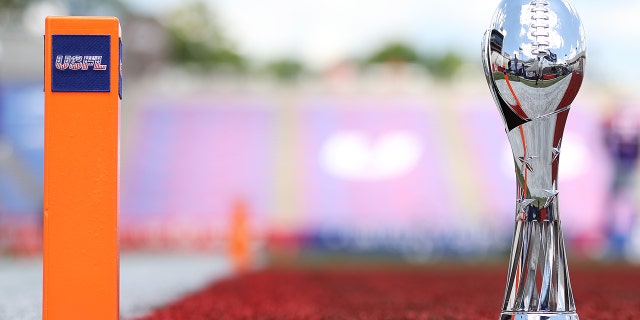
(413, 293)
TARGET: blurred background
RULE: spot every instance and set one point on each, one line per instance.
(360, 127)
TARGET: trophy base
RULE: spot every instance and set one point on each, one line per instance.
(539, 316)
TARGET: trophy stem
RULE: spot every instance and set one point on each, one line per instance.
(538, 284)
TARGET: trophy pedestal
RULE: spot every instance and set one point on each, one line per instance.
(538, 316)
(538, 284)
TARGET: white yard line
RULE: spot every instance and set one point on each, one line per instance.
(147, 281)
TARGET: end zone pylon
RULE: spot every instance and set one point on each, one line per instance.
(82, 86)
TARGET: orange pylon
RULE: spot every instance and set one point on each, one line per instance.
(240, 237)
(81, 163)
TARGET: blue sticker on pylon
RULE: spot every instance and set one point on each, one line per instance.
(81, 63)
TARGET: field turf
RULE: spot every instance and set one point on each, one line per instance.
(387, 291)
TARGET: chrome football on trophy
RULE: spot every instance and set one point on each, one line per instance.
(533, 56)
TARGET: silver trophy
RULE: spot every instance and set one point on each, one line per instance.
(533, 57)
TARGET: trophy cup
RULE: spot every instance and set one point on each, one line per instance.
(533, 57)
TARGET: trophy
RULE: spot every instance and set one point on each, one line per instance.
(533, 56)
